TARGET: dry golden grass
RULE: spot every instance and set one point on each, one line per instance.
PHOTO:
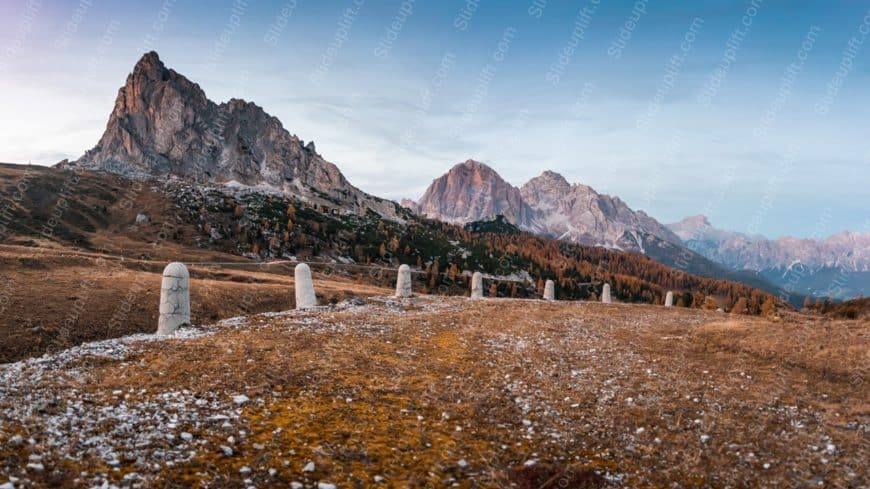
(434, 392)
(90, 296)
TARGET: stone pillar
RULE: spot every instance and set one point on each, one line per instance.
(403, 282)
(305, 297)
(549, 291)
(669, 299)
(174, 299)
(605, 294)
(477, 285)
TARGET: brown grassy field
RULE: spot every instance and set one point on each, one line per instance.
(440, 392)
(54, 297)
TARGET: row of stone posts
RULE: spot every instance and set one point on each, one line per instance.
(175, 293)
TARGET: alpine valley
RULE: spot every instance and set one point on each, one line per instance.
(178, 175)
(193, 294)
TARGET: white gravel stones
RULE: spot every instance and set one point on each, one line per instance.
(669, 299)
(305, 297)
(549, 291)
(477, 285)
(605, 294)
(403, 282)
(240, 399)
(309, 467)
(174, 299)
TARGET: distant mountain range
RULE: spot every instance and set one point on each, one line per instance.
(163, 125)
(837, 266)
(546, 204)
(550, 206)
(847, 250)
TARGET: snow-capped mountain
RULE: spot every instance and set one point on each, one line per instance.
(837, 266)
(163, 124)
(847, 250)
(547, 205)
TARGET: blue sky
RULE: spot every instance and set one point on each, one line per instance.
(770, 150)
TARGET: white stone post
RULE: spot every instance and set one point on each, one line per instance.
(174, 299)
(605, 294)
(669, 299)
(403, 282)
(549, 291)
(305, 297)
(477, 285)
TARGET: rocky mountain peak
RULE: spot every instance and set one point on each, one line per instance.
(163, 124)
(692, 227)
(150, 65)
(547, 186)
(700, 220)
(472, 191)
(547, 204)
(553, 178)
(474, 173)
(849, 252)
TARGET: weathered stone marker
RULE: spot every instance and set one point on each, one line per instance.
(477, 285)
(669, 299)
(605, 294)
(174, 299)
(549, 291)
(403, 282)
(305, 297)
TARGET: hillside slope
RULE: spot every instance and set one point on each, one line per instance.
(110, 237)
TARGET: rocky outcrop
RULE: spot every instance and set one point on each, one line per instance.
(163, 124)
(472, 191)
(546, 204)
(580, 214)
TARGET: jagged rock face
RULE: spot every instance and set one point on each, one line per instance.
(472, 191)
(547, 205)
(163, 124)
(410, 205)
(578, 213)
(847, 250)
(699, 228)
